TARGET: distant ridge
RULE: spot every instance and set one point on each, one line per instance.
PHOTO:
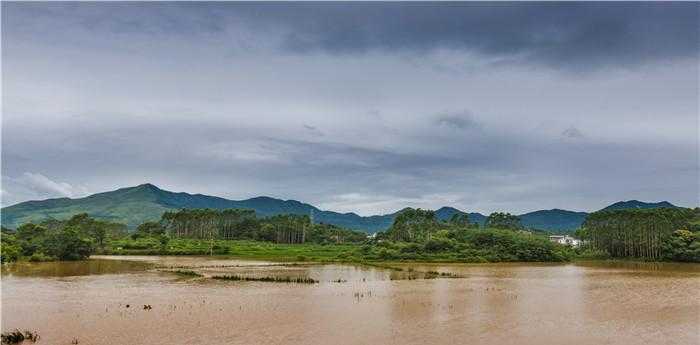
(554, 219)
(621, 205)
(146, 202)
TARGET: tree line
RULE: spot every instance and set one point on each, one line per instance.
(81, 235)
(417, 234)
(239, 224)
(653, 234)
(72, 239)
(418, 225)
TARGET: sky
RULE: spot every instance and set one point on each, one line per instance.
(363, 107)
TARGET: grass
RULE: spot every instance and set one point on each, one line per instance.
(268, 251)
(483, 246)
(300, 280)
(186, 273)
(240, 249)
(434, 274)
(384, 266)
(17, 336)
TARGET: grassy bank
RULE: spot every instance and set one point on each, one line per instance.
(242, 249)
(497, 246)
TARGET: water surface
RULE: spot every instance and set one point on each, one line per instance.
(582, 303)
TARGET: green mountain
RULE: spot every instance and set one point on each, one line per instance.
(146, 202)
(553, 220)
(623, 205)
(557, 220)
(445, 213)
(135, 205)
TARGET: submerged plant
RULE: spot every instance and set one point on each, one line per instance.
(187, 273)
(17, 336)
(378, 265)
(301, 280)
(435, 274)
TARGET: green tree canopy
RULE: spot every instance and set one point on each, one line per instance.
(503, 220)
(413, 225)
(460, 219)
(643, 233)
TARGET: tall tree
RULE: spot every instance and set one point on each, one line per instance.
(503, 220)
(414, 225)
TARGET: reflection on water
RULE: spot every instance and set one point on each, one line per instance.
(72, 268)
(586, 303)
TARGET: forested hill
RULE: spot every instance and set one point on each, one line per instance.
(146, 202)
(635, 204)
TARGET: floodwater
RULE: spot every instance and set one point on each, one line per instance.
(580, 303)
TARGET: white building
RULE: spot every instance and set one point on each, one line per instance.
(565, 240)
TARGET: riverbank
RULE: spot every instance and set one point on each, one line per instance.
(380, 255)
(535, 250)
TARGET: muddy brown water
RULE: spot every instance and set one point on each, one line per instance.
(579, 303)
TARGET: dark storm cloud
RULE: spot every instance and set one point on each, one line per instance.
(578, 36)
(571, 33)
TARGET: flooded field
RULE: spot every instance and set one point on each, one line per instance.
(101, 301)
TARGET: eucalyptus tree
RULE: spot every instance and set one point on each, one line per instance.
(503, 220)
(414, 225)
(635, 232)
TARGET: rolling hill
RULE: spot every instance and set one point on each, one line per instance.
(135, 205)
(553, 220)
(623, 205)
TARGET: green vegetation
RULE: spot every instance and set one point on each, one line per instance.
(500, 220)
(244, 225)
(413, 225)
(556, 220)
(10, 249)
(147, 203)
(469, 245)
(238, 248)
(186, 273)
(650, 234)
(72, 239)
(416, 235)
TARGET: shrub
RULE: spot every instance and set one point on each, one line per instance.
(439, 244)
(68, 244)
(682, 245)
(10, 250)
(593, 254)
(387, 254)
(411, 248)
(40, 257)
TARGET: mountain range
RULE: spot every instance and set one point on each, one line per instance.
(135, 205)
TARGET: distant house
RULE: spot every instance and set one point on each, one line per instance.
(565, 240)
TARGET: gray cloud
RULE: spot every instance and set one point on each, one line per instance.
(341, 105)
(461, 120)
(573, 36)
(313, 131)
(564, 35)
(35, 186)
(572, 133)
